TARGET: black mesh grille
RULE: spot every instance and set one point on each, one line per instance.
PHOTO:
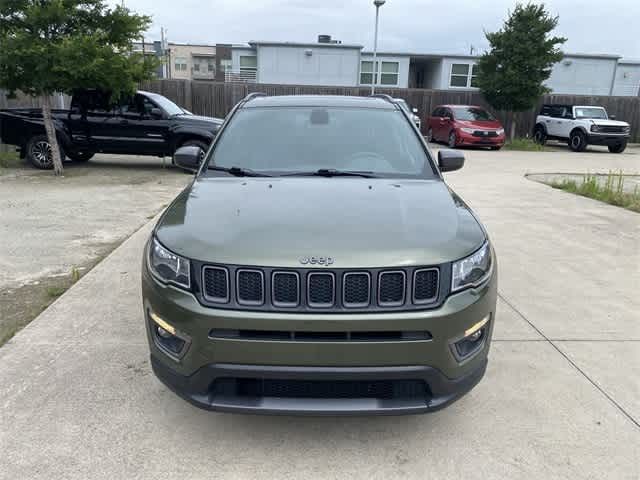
(285, 289)
(216, 284)
(425, 285)
(611, 129)
(320, 289)
(391, 288)
(250, 287)
(381, 389)
(356, 289)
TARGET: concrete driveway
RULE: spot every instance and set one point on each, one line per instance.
(561, 398)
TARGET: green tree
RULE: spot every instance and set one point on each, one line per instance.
(512, 73)
(49, 46)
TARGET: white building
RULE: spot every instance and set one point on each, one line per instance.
(332, 63)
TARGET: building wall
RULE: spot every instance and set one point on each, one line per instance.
(334, 66)
(627, 81)
(582, 76)
(403, 68)
(186, 52)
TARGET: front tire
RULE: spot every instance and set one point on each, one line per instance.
(39, 152)
(453, 141)
(618, 147)
(578, 141)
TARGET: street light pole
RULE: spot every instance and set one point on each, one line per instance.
(378, 4)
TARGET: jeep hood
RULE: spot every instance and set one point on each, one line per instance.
(358, 222)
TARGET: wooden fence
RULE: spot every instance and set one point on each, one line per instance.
(217, 99)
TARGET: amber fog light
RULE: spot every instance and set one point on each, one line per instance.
(473, 339)
(167, 338)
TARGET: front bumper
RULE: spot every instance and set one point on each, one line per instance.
(197, 390)
(471, 140)
(607, 139)
(213, 371)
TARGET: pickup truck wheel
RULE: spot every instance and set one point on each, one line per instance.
(39, 152)
(618, 147)
(80, 156)
(539, 136)
(577, 141)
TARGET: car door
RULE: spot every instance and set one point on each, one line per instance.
(142, 128)
(446, 124)
(91, 118)
(565, 124)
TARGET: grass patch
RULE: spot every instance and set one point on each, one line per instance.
(524, 145)
(610, 191)
(56, 291)
(10, 160)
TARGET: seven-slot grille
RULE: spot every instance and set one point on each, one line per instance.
(311, 289)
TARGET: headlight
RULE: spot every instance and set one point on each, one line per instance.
(473, 270)
(168, 266)
(500, 131)
(467, 130)
(626, 129)
(595, 128)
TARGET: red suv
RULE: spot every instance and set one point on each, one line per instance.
(465, 125)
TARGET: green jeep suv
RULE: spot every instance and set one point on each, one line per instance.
(319, 264)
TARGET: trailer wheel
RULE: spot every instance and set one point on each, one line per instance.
(39, 152)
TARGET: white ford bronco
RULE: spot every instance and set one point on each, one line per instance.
(580, 126)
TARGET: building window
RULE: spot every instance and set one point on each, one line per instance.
(181, 64)
(474, 76)
(248, 63)
(463, 75)
(226, 64)
(459, 75)
(389, 73)
(211, 66)
(366, 73)
(196, 67)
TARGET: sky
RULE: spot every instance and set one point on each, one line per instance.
(417, 26)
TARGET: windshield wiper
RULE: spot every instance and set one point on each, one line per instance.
(331, 172)
(239, 172)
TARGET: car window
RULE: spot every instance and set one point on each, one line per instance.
(473, 114)
(303, 139)
(138, 105)
(436, 112)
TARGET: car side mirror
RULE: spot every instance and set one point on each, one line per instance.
(188, 158)
(612, 117)
(156, 113)
(450, 160)
(414, 110)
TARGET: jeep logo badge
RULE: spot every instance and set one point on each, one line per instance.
(316, 261)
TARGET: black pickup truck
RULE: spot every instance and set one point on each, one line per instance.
(142, 124)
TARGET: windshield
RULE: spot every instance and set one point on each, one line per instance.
(167, 105)
(472, 114)
(286, 140)
(591, 112)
